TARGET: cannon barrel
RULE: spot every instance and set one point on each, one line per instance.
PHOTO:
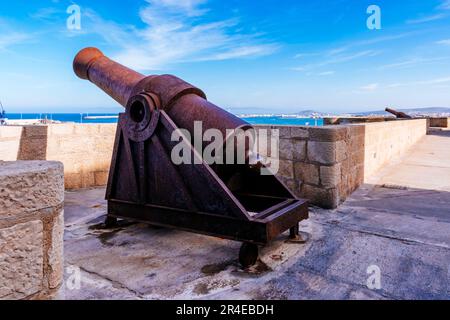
(398, 114)
(183, 102)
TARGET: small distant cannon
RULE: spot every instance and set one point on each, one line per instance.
(233, 202)
(398, 114)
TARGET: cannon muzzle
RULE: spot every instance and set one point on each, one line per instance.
(183, 102)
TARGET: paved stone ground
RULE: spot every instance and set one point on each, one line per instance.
(398, 222)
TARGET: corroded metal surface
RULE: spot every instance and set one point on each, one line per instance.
(231, 201)
(398, 114)
(183, 102)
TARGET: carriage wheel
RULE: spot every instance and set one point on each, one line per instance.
(248, 254)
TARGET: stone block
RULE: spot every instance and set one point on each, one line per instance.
(9, 149)
(64, 129)
(7, 132)
(324, 198)
(88, 179)
(328, 133)
(286, 149)
(356, 143)
(36, 131)
(299, 133)
(286, 169)
(299, 152)
(322, 152)
(34, 148)
(86, 130)
(285, 131)
(55, 252)
(330, 176)
(357, 158)
(76, 144)
(342, 152)
(307, 173)
(21, 260)
(108, 130)
(73, 181)
(290, 183)
(356, 130)
(101, 178)
(27, 186)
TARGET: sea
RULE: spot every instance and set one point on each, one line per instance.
(112, 118)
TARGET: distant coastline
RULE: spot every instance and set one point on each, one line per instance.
(306, 117)
(112, 118)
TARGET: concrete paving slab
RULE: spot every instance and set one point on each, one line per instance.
(140, 262)
(398, 223)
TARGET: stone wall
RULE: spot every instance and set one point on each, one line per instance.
(443, 122)
(326, 164)
(349, 120)
(321, 164)
(31, 229)
(84, 149)
(390, 140)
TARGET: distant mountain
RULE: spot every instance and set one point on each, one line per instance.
(307, 113)
(411, 111)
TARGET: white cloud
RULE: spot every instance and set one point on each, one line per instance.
(174, 32)
(445, 5)
(370, 87)
(412, 62)
(445, 42)
(326, 73)
(424, 19)
(422, 82)
(12, 38)
(338, 59)
(48, 13)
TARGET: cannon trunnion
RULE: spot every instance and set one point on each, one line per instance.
(233, 201)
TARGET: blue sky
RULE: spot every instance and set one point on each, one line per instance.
(248, 56)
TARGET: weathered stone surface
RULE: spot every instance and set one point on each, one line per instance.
(108, 130)
(10, 132)
(342, 151)
(32, 149)
(328, 133)
(286, 169)
(55, 252)
(291, 184)
(286, 149)
(299, 132)
(61, 129)
(9, 149)
(21, 260)
(35, 131)
(299, 150)
(285, 131)
(322, 152)
(66, 143)
(325, 198)
(307, 173)
(29, 186)
(101, 178)
(443, 122)
(330, 176)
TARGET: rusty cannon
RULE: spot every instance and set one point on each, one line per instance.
(230, 201)
(398, 114)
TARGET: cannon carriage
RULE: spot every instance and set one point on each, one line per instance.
(234, 201)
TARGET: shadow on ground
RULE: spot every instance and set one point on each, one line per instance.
(399, 222)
